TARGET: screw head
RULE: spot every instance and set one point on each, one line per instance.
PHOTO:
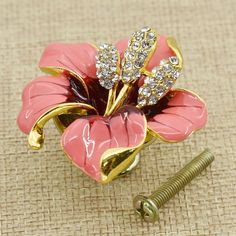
(146, 209)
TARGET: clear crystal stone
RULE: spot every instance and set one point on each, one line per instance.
(146, 91)
(160, 74)
(139, 36)
(113, 50)
(168, 82)
(126, 77)
(163, 62)
(128, 65)
(160, 91)
(145, 29)
(108, 84)
(140, 90)
(142, 57)
(137, 74)
(155, 69)
(176, 74)
(167, 68)
(98, 64)
(104, 73)
(174, 60)
(99, 75)
(147, 44)
(152, 100)
(104, 46)
(113, 68)
(114, 57)
(130, 55)
(151, 36)
(151, 82)
(138, 63)
(136, 45)
(142, 101)
(115, 78)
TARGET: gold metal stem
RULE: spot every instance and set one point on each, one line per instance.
(111, 99)
(148, 207)
(120, 98)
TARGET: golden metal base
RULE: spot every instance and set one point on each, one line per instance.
(131, 167)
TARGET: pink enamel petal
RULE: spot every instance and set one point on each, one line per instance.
(122, 46)
(118, 138)
(184, 114)
(39, 96)
(76, 58)
(162, 51)
(100, 134)
(100, 137)
(74, 140)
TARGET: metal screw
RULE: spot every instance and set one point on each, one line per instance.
(148, 207)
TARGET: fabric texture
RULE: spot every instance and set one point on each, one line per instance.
(42, 193)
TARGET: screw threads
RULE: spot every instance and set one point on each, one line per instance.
(147, 207)
(167, 190)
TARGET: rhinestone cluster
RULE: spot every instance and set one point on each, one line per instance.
(159, 82)
(107, 64)
(140, 48)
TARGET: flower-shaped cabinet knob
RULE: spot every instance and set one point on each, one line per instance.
(109, 102)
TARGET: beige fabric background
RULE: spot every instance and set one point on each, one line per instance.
(41, 193)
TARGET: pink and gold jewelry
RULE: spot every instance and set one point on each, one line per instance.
(110, 101)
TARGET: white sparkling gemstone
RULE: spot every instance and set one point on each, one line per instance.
(113, 68)
(160, 91)
(99, 75)
(136, 45)
(146, 91)
(104, 65)
(128, 65)
(160, 74)
(176, 74)
(174, 60)
(138, 63)
(151, 82)
(98, 64)
(147, 44)
(114, 58)
(145, 29)
(104, 73)
(137, 74)
(126, 77)
(139, 36)
(115, 78)
(140, 90)
(163, 62)
(113, 50)
(130, 56)
(142, 101)
(104, 46)
(168, 82)
(155, 69)
(151, 36)
(142, 57)
(167, 68)
(152, 100)
(108, 84)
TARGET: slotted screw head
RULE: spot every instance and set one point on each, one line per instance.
(147, 207)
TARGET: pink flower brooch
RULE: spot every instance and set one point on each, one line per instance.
(109, 102)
